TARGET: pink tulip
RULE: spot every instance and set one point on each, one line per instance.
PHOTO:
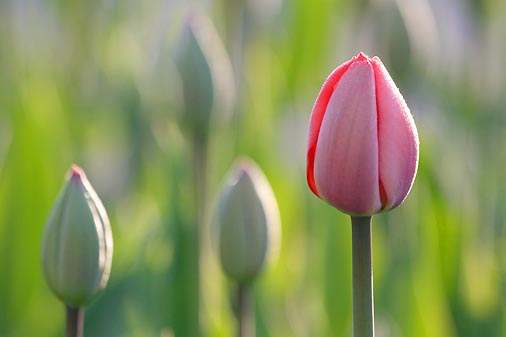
(362, 152)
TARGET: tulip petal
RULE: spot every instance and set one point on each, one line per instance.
(316, 119)
(346, 158)
(397, 142)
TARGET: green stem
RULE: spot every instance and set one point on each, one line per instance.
(244, 314)
(75, 321)
(363, 305)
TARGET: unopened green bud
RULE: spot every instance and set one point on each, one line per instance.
(205, 72)
(77, 245)
(247, 222)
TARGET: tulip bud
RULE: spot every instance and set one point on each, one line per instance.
(362, 152)
(247, 221)
(77, 246)
(205, 72)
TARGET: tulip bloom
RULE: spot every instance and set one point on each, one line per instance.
(362, 152)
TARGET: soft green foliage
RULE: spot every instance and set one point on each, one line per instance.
(96, 83)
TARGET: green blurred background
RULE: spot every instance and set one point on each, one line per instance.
(96, 83)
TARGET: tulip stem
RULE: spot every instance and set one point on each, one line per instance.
(363, 304)
(75, 321)
(243, 312)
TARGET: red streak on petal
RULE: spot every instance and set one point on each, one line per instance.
(317, 114)
(382, 192)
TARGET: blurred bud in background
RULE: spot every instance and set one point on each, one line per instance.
(77, 246)
(247, 222)
(205, 73)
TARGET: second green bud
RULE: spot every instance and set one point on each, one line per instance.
(247, 222)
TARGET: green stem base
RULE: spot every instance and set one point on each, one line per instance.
(363, 304)
(244, 312)
(75, 322)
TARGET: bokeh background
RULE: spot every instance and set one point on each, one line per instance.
(97, 83)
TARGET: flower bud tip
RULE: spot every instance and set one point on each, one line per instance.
(76, 171)
(362, 57)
